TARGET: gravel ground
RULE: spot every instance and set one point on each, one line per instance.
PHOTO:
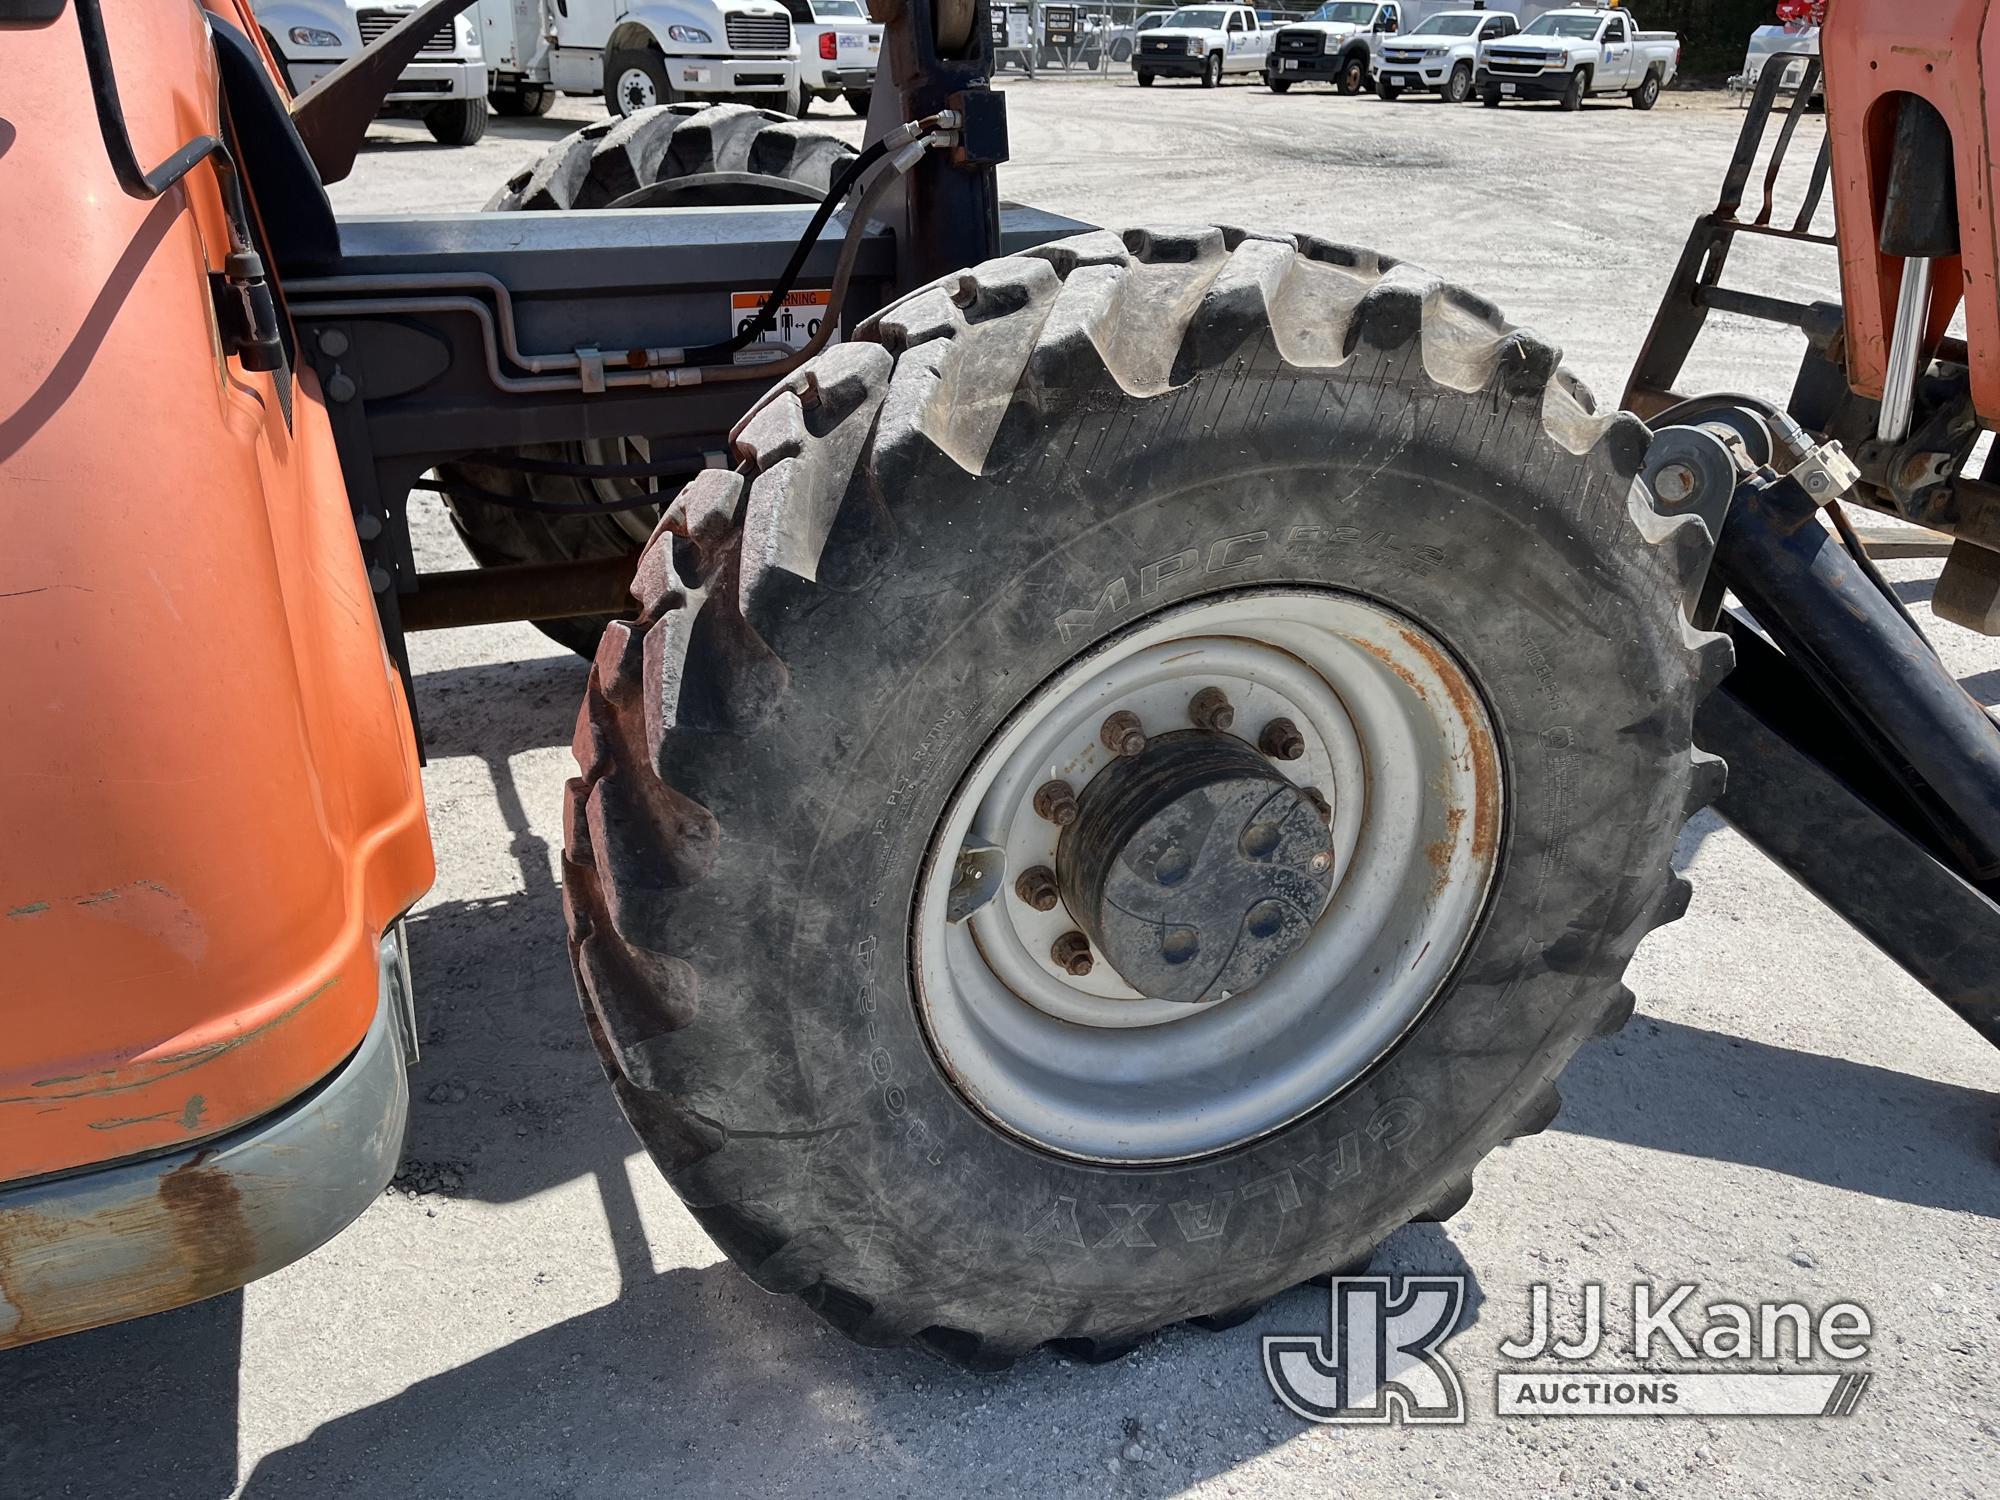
(529, 1311)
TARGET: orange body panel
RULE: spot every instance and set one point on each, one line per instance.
(1942, 50)
(210, 805)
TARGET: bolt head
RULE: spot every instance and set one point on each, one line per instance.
(1122, 733)
(1321, 863)
(1210, 709)
(1071, 953)
(1281, 740)
(1037, 887)
(1055, 802)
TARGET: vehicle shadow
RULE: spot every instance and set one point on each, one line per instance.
(695, 1383)
(1673, 1087)
(144, 1408)
(505, 1046)
(692, 1381)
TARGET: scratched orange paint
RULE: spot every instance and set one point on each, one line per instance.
(209, 799)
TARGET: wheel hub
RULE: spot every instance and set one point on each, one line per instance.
(1194, 866)
(1086, 1005)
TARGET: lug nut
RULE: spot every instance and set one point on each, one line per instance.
(1210, 709)
(1281, 740)
(1071, 952)
(1123, 734)
(1056, 802)
(1037, 887)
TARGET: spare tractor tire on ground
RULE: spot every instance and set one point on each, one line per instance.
(597, 167)
(1141, 777)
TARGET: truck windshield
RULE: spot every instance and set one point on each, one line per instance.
(1199, 20)
(1582, 28)
(1449, 26)
(837, 10)
(1345, 11)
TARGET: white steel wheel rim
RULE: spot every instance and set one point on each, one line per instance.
(1396, 737)
(635, 89)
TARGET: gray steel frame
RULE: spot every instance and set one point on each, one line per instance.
(440, 338)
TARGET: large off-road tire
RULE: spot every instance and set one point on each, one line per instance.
(459, 122)
(1049, 458)
(594, 168)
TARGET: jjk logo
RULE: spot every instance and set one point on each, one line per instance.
(1378, 1361)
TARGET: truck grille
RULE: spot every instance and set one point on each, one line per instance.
(1162, 44)
(376, 24)
(1401, 57)
(1300, 43)
(759, 33)
(1501, 60)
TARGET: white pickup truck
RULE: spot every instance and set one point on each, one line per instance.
(1205, 42)
(1441, 55)
(1571, 54)
(839, 48)
(1333, 45)
(444, 86)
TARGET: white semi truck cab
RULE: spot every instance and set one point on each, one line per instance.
(638, 53)
(444, 86)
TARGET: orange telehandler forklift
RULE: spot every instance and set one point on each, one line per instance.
(1100, 796)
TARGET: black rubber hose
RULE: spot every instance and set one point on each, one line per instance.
(133, 178)
(767, 314)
